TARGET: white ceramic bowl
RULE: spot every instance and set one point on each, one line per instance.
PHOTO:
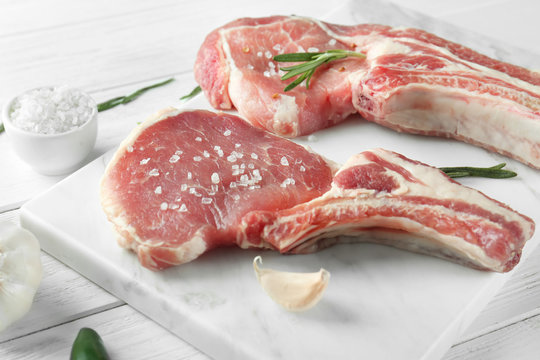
(52, 154)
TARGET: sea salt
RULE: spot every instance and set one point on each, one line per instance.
(52, 110)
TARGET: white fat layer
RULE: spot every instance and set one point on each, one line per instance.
(386, 46)
(186, 252)
(500, 124)
(235, 74)
(285, 112)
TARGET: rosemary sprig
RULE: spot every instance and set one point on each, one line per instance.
(310, 62)
(106, 105)
(193, 93)
(494, 172)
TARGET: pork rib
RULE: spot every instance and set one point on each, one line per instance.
(383, 197)
(410, 81)
(186, 182)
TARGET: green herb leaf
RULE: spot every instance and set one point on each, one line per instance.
(193, 93)
(493, 172)
(311, 61)
(2, 127)
(106, 105)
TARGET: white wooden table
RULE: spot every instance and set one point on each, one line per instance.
(111, 48)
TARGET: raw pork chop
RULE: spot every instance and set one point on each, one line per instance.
(185, 182)
(180, 183)
(410, 81)
(383, 197)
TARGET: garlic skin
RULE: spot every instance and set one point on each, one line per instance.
(20, 272)
(293, 291)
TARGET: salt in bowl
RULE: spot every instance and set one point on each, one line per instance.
(55, 132)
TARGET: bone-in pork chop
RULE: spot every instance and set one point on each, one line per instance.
(186, 182)
(410, 81)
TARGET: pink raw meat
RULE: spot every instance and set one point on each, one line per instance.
(186, 182)
(410, 81)
(180, 183)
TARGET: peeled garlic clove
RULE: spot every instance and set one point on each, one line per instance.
(293, 291)
(20, 272)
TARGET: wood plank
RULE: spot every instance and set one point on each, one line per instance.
(24, 16)
(518, 299)
(517, 341)
(63, 296)
(126, 333)
(120, 47)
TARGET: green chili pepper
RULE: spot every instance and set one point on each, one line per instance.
(88, 346)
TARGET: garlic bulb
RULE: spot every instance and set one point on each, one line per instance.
(293, 291)
(20, 272)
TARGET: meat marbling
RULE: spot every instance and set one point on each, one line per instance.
(186, 182)
(410, 81)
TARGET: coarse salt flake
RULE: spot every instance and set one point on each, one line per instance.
(284, 161)
(189, 175)
(153, 172)
(144, 161)
(158, 190)
(215, 178)
(164, 206)
(198, 138)
(183, 208)
(206, 200)
(206, 154)
(254, 156)
(52, 110)
(174, 158)
(197, 158)
(227, 132)
(268, 54)
(332, 42)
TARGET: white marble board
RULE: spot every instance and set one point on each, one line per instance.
(382, 303)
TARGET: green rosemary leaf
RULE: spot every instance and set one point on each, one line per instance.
(106, 105)
(311, 61)
(193, 93)
(493, 172)
(296, 82)
(295, 57)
